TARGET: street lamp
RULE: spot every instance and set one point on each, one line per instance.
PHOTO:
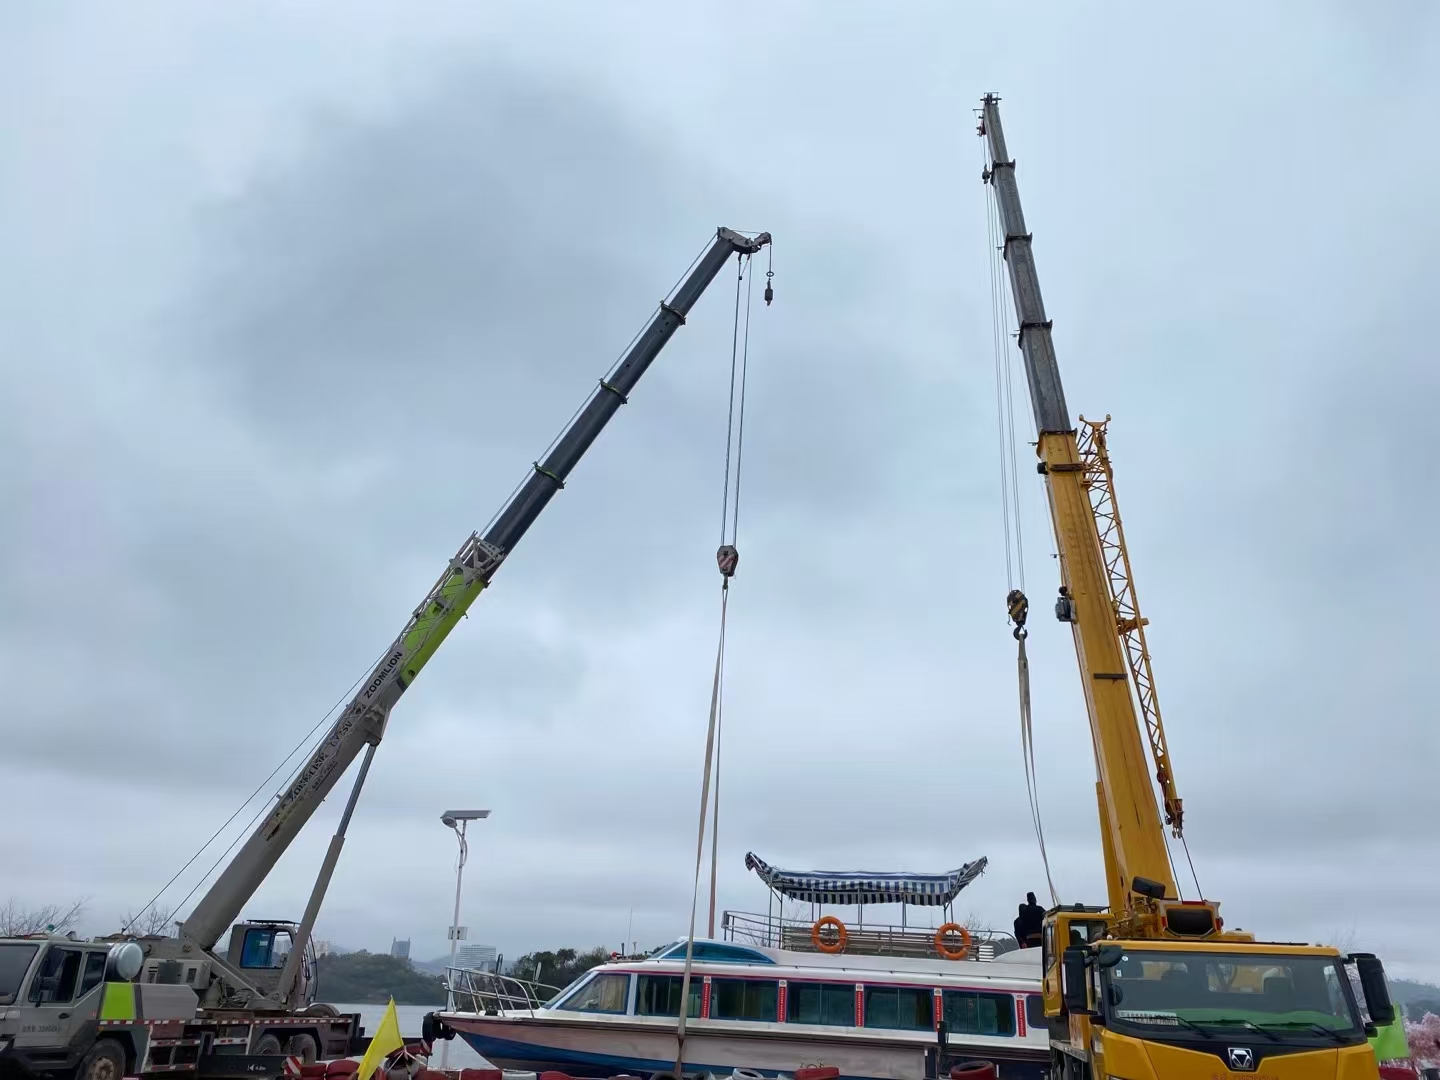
(457, 820)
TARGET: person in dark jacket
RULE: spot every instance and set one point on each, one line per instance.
(1029, 922)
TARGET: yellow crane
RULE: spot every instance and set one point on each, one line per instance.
(1150, 985)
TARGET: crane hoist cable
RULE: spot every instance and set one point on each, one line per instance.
(308, 739)
(727, 558)
(1016, 603)
(1004, 402)
(1018, 608)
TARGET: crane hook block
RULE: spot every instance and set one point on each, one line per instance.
(727, 558)
(769, 288)
(1019, 608)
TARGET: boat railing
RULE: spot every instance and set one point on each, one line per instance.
(866, 939)
(490, 993)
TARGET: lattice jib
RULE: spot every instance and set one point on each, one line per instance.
(1100, 484)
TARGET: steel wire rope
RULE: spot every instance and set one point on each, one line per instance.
(727, 558)
(304, 740)
(1010, 500)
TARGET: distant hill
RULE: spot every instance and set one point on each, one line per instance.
(1416, 998)
(364, 978)
(433, 967)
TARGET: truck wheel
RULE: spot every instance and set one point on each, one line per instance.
(105, 1061)
(303, 1046)
(267, 1046)
(321, 1008)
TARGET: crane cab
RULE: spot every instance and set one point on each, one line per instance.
(260, 949)
(1067, 927)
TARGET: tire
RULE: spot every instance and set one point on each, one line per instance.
(104, 1061)
(268, 1045)
(303, 1046)
(320, 1008)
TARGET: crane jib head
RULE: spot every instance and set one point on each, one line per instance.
(746, 245)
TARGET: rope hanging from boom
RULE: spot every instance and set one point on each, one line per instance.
(727, 559)
(1018, 607)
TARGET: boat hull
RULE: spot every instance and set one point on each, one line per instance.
(611, 1048)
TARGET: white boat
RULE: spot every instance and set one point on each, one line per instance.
(773, 995)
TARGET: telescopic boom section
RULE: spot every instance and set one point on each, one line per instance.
(1133, 835)
(363, 720)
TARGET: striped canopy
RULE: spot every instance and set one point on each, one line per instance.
(866, 886)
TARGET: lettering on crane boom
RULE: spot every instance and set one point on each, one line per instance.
(383, 673)
(320, 766)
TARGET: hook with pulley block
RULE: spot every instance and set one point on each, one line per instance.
(1019, 608)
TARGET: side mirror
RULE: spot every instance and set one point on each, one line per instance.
(1377, 991)
(1075, 981)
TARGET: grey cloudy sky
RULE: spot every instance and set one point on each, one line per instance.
(291, 297)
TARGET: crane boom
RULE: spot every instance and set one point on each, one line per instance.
(1147, 985)
(362, 722)
(1130, 816)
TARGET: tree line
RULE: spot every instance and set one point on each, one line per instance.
(18, 920)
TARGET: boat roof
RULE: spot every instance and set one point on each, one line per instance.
(855, 887)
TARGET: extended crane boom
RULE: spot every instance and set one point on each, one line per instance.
(361, 724)
(1145, 987)
(1130, 816)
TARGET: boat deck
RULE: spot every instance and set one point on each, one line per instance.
(868, 939)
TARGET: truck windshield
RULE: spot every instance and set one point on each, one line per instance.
(1302, 995)
(14, 962)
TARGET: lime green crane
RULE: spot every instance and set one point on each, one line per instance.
(361, 725)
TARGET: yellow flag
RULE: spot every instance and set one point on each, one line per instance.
(386, 1039)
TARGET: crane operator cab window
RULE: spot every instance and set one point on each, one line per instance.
(1071, 933)
(1085, 932)
(266, 947)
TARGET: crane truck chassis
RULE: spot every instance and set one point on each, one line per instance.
(116, 1007)
(73, 1008)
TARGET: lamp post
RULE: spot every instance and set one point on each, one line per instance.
(457, 820)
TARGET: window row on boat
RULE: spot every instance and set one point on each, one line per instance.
(999, 1013)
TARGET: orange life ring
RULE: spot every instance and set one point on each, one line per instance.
(947, 952)
(838, 945)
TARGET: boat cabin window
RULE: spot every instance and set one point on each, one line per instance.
(659, 995)
(744, 999)
(608, 992)
(821, 1003)
(1035, 1010)
(971, 1012)
(713, 952)
(910, 1008)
